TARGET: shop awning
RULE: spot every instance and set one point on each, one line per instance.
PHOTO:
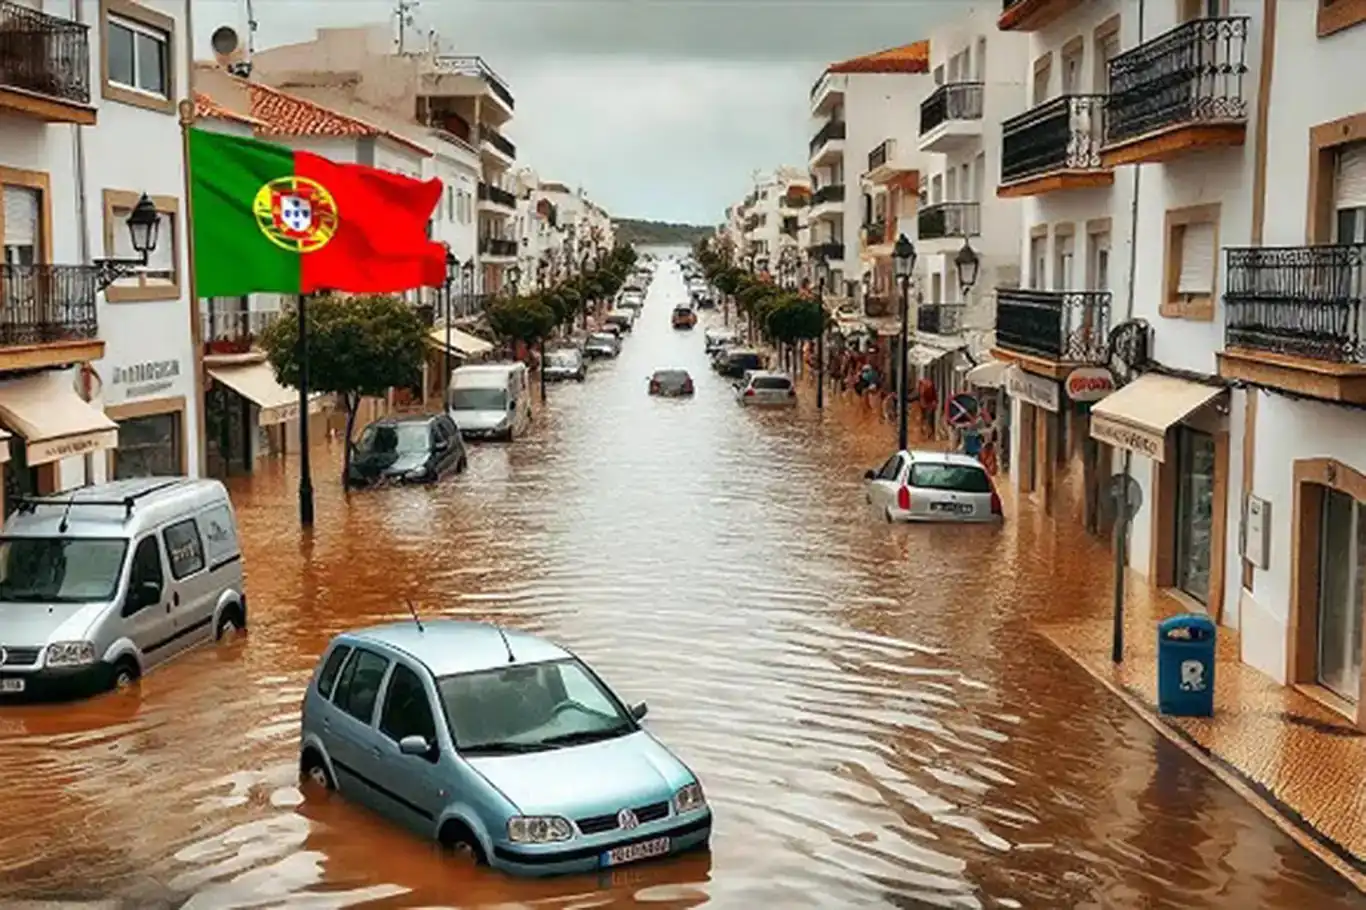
(988, 375)
(1138, 416)
(54, 421)
(462, 343)
(256, 382)
(922, 355)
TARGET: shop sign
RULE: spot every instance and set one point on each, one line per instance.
(1123, 436)
(46, 450)
(1037, 390)
(1089, 383)
(143, 379)
(287, 413)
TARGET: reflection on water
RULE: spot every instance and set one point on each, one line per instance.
(871, 715)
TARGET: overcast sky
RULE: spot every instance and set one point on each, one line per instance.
(658, 108)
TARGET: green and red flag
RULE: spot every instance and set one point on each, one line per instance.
(271, 219)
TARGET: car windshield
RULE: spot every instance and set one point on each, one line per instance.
(603, 338)
(960, 478)
(60, 569)
(395, 438)
(474, 399)
(563, 358)
(529, 708)
(772, 382)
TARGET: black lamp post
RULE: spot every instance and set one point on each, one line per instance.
(903, 263)
(144, 224)
(967, 263)
(515, 278)
(466, 286)
(452, 273)
(542, 267)
(822, 276)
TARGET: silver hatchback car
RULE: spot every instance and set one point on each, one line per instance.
(933, 486)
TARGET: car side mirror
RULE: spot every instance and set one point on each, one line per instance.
(870, 474)
(512, 405)
(149, 593)
(415, 745)
(639, 710)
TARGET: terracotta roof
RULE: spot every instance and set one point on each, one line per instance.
(284, 114)
(908, 58)
(204, 106)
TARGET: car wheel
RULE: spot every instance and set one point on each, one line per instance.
(314, 770)
(887, 513)
(229, 623)
(126, 673)
(460, 842)
(461, 465)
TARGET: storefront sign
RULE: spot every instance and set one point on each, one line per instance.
(1089, 383)
(287, 413)
(1037, 390)
(46, 450)
(143, 379)
(1123, 436)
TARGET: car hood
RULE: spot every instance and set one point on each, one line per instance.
(35, 624)
(591, 779)
(563, 368)
(479, 420)
(389, 463)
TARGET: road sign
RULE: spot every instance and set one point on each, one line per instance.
(961, 410)
(1123, 484)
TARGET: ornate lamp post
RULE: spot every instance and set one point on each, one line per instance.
(967, 264)
(452, 273)
(903, 263)
(822, 277)
(144, 224)
(467, 286)
(542, 267)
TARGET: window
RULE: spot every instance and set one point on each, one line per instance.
(1038, 263)
(1107, 49)
(1063, 273)
(891, 470)
(1349, 194)
(1336, 15)
(1342, 587)
(146, 569)
(184, 548)
(1071, 66)
(161, 281)
(1043, 71)
(148, 446)
(958, 478)
(1098, 278)
(1194, 511)
(358, 687)
(328, 677)
(138, 55)
(407, 711)
(1192, 263)
(21, 217)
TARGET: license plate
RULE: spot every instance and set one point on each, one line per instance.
(959, 508)
(634, 852)
(11, 685)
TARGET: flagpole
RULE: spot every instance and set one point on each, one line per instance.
(305, 468)
(186, 110)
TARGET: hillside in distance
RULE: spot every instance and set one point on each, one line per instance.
(635, 230)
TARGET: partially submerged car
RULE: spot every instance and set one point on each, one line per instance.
(671, 383)
(565, 363)
(419, 449)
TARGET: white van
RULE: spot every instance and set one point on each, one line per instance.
(100, 584)
(490, 400)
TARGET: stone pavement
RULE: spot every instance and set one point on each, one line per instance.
(1300, 763)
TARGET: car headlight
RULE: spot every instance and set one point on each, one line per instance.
(690, 798)
(539, 829)
(417, 474)
(70, 653)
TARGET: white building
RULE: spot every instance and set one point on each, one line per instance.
(95, 381)
(770, 219)
(586, 230)
(538, 230)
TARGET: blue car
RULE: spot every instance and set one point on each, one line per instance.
(498, 744)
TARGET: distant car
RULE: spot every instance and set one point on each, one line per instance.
(933, 486)
(704, 300)
(684, 317)
(733, 362)
(716, 339)
(631, 301)
(761, 387)
(565, 363)
(407, 450)
(497, 744)
(602, 344)
(670, 383)
(623, 319)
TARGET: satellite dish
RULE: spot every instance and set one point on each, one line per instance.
(224, 40)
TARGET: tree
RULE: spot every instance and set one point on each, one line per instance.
(358, 346)
(524, 319)
(795, 318)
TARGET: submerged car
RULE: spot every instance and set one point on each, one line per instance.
(407, 450)
(734, 362)
(763, 387)
(622, 319)
(671, 383)
(684, 317)
(718, 339)
(602, 344)
(565, 363)
(499, 744)
(933, 486)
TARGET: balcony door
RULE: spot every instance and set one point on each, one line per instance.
(1064, 266)
(23, 206)
(23, 304)
(1349, 195)
(1038, 262)
(1098, 269)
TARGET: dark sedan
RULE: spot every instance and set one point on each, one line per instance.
(419, 449)
(671, 383)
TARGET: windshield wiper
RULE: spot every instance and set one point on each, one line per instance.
(502, 748)
(586, 736)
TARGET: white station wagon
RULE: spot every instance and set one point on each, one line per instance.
(933, 486)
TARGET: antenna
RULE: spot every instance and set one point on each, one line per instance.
(251, 30)
(66, 515)
(413, 610)
(403, 11)
(512, 658)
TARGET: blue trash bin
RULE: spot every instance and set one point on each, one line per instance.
(1185, 666)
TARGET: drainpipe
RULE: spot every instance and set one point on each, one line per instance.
(83, 233)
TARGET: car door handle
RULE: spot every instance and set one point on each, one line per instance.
(175, 598)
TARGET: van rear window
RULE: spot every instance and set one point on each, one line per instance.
(960, 478)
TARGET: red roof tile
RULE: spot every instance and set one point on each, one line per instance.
(908, 58)
(283, 114)
(204, 106)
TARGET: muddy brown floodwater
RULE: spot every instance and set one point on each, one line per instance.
(873, 718)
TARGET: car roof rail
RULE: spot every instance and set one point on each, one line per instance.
(27, 505)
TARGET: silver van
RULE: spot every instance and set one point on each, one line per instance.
(100, 584)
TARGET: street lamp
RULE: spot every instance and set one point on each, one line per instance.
(542, 267)
(144, 223)
(515, 278)
(452, 273)
(761, 263)
(967, 264)
(822, 277)
(466, 286)
(903, 264)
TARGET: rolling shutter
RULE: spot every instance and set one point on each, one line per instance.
(1197, 260)
(21, 216)
(1349, 190)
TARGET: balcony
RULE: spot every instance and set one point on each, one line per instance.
(230, 334)
(1179, 92)
(497, 196)
(947, 220)
(789, 227)
(1032, 15)
(498, 142)
(1293, 320)
(880, 155)
(827, 92)
(830, 250)
(48, 316)
(795, 200)
(44, 66)
(1052, 147)
(828, 201)
(828, 143)
(470, 66)
(940, 318)
(875, 232)
(951, 118)
(1055, 330)
(498, 247)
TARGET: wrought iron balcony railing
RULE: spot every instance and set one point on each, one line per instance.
(498, 141)
(1063, 134)
(1192, 74)
(940, 318)
(229, 329)
(831, 250)
(471, 65)
(832, 131)
(789, 227)
(832, 193)
(880, 155)
(497, 195)
(41, 304)
(497, 246)
(950, 219)
(44, 54)
(951, 101)
(1301, 301)
(1062, 326)
(875, 232)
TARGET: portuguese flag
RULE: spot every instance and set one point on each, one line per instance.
(271, 219)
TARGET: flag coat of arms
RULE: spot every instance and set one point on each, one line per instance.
(271, 219)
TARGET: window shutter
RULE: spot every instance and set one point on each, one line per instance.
(1350, 189)
(21, 216)
(1197, 260)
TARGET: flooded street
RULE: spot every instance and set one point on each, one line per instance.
(874, 720)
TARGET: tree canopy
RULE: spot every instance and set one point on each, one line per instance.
(527, 319)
